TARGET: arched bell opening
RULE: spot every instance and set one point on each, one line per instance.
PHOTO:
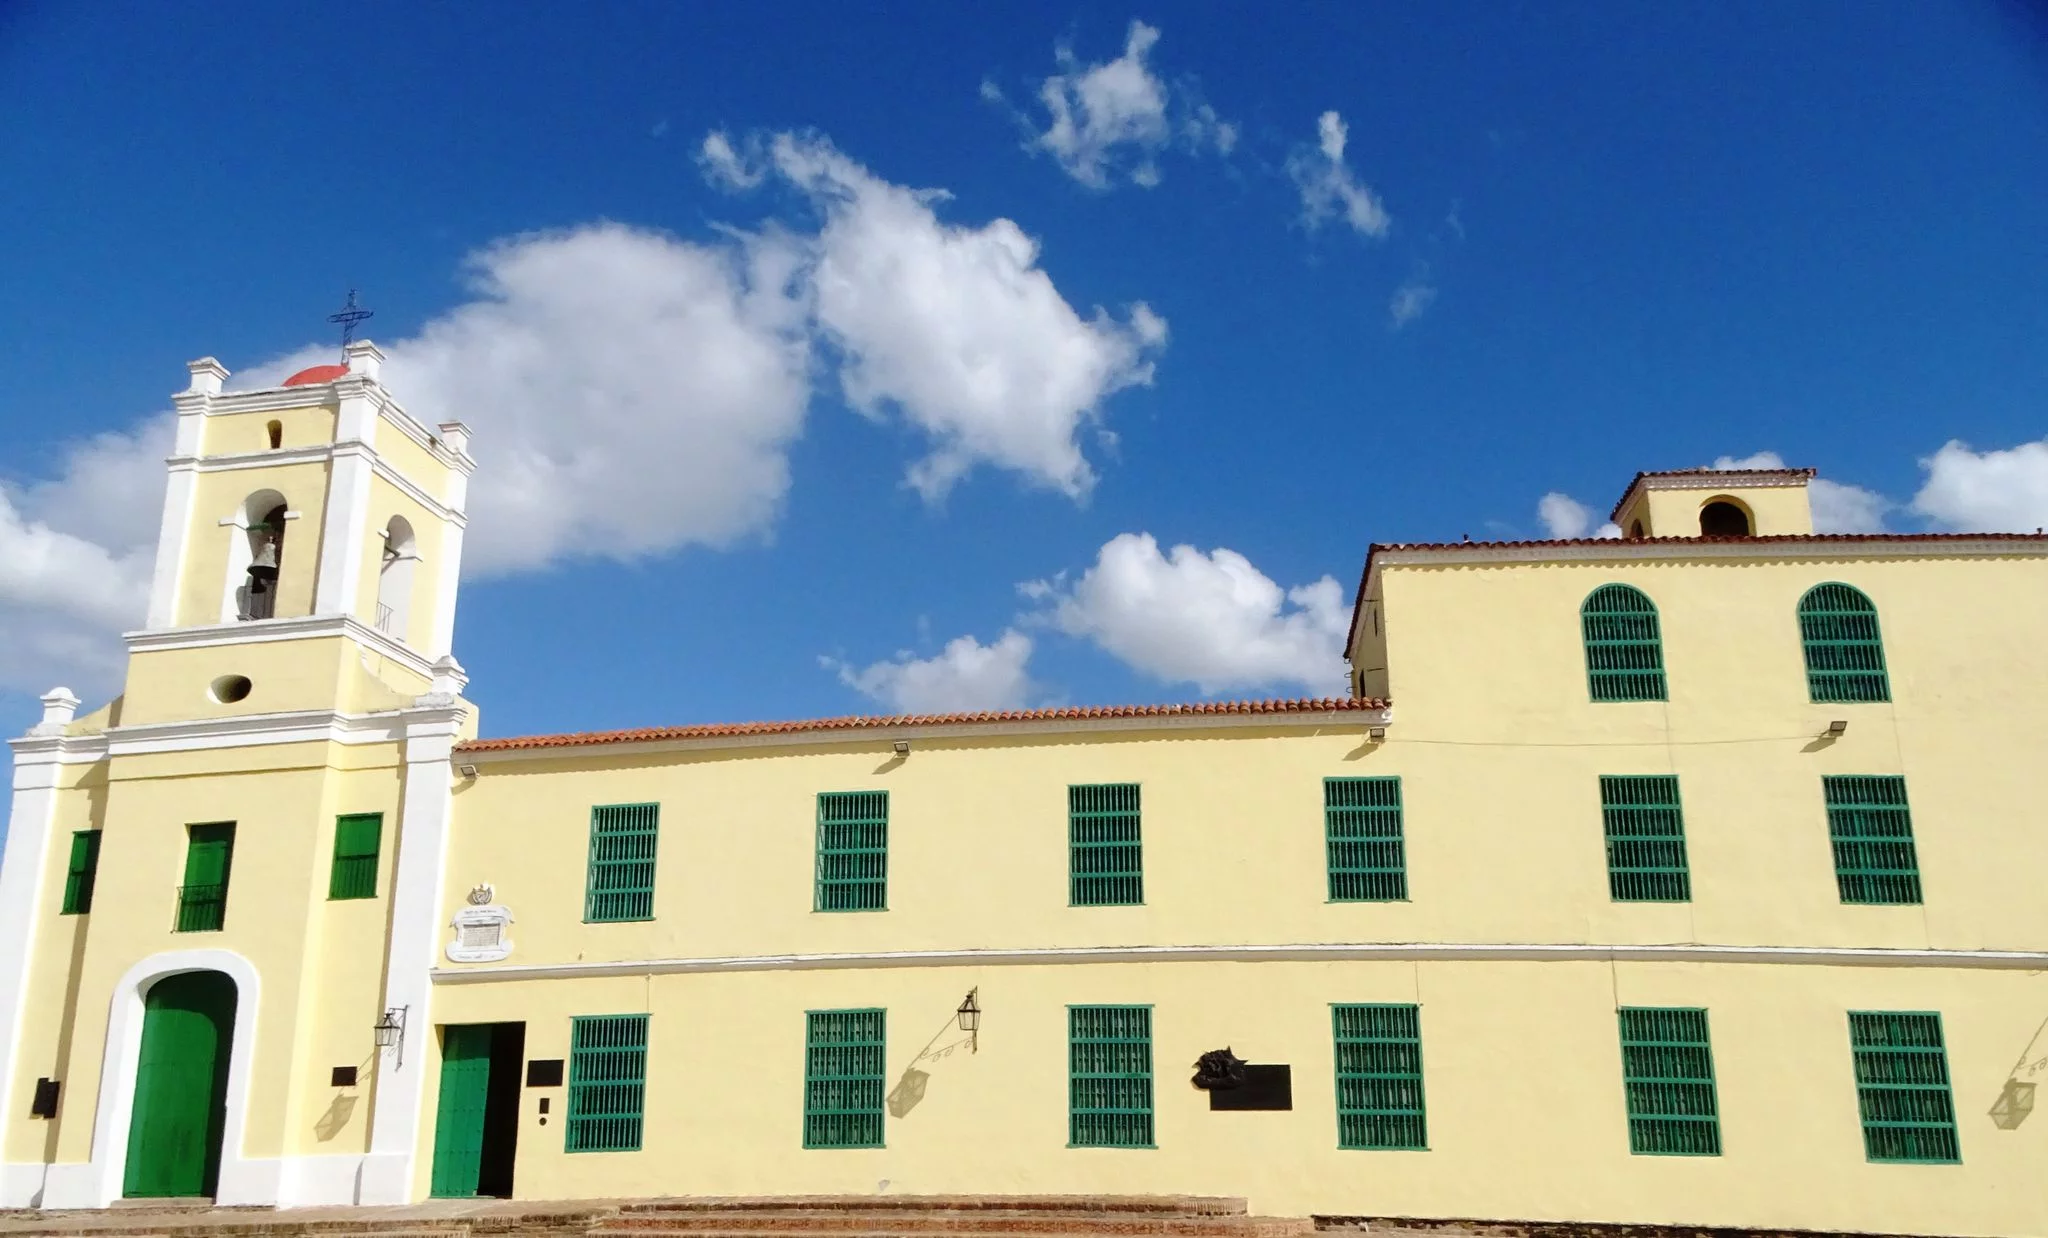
(257, 558)
(394, 578)
(1724, 518)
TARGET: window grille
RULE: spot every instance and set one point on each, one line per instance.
(853, 851)
(1109, 1076)
(607, 1082)
(1844, 651)
(1106, 859)
(82, 872)
(1871, 830)
(1362, 835)
(1379, 1077)
(1667, 1068)
(1645, 839)
(356, 841)
(203, 898)
(1902, 1087)
(844, 1062)
(1624, 648)
(622, 844)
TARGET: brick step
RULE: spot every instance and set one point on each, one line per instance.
(947, 1225)
(1171, 1205)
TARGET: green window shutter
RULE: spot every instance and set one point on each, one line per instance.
(1667, 1072)
(1902, 1087)
(1871, 830)
(1106, 859)
(1379, 1077)
(607, 1082)
(357, 838)
(853, 851)
(203, 898)
(1362, 836)
(1109, 1076)
(621, 884)
(844, 1060)
(1624, 648)
(1844, 651)
(83, 870)
(1645, 839)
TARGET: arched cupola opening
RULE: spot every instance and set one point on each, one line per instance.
(395, 571)
(1725, 518)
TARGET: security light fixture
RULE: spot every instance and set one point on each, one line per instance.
(1376, 734)
(390, 1030)
(467, 771)
(1836, 729)
(970, 1020)
(901, 747)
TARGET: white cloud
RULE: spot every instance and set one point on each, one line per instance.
(959, 328)
(1566, 518)
(723, 166)
(1328, 186)
(1986, 492)
(966, 675)
(1113, 118)
(1837, 506)
(1212, 619)
(1411, 299)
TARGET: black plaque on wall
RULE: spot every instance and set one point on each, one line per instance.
(544, 1073)
(1264, 1087)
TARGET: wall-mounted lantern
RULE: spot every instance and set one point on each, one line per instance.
(390, 1031)
(970, 1020)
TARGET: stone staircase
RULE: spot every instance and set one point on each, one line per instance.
(829, 1216)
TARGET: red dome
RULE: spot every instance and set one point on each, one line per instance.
(316, 374)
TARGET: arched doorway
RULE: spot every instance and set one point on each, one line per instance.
(181, 1086)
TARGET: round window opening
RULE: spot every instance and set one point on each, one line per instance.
(229, 688)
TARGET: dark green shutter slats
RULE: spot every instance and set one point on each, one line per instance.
(1109, 1076)
(1667, 1068)
(607, 1082)
(622, 841)
(1362, 835)
(81, 872)
(1645, 839)
(1902, 1087)
(203, 898)
(1624, 648)
(1871, 830)
(1844, 652)
(844, 1063)
(357, 838)
(1106, 859)
(1379, 1077)
(853, 851)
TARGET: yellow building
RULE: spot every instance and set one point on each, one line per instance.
(1685, 878)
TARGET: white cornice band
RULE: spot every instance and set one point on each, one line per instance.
(1334, 952)
(1340, 719)
(263, 631)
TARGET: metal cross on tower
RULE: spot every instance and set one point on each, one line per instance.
(349, 316)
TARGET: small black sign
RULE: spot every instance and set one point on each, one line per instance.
(1264, 1087)
(544, 1073)
(44, 1105)
(344, 1077)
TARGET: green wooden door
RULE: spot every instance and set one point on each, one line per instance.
(181, 1086)
(203, 899)
(465, 1090)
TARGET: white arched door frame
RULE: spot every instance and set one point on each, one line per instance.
(242, 1181)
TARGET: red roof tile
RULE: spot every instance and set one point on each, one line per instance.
(1777, 539)
(874, 723)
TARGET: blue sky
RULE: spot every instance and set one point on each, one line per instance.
(790, 433)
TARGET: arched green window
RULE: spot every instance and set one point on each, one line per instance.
(1624, 650)
(1844, 654)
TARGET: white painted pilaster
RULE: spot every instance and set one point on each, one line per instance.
(347, 525)
(448, 580)
(430, 733)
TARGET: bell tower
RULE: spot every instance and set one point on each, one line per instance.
(309, 553)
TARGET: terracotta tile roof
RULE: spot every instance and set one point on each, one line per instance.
(1703, 471)
(1676, 543)
(882, 722)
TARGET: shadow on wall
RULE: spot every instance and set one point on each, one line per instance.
(2016, 1099)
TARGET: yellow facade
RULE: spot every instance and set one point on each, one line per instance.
(1471, 687)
